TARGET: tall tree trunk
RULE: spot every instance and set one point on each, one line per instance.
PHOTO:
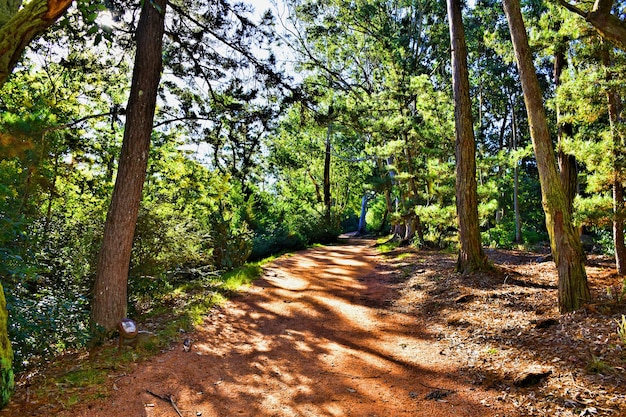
(362, 229)
(566, 246)
(568, 166)
(110, 291)
(327, 196)
(471, 254)
(615, 118)
(387, 193)
(518, 217)
(410, 217)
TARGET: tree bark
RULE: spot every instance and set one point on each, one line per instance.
(516, 211)
(21, 26)
(568, 167)
(7, 381)
(327, 196)
(615, 118)
(471, 255)
(609, 26)
(362, 229)
(564, 241)
(110, 291)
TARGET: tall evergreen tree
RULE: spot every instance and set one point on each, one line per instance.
(564, 241)
(471, 254)
(110, 290)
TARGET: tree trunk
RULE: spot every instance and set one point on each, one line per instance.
(18, 27)
(387, 194)
(110, 291)
(518, 217)
(327, 196)
(362, 229)
(21, 26)
(615, 118)
(566, 247)
(471, 254)
(618, 226)
(568, 166)
(6, 355)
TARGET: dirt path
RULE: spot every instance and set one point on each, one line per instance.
(313, 337)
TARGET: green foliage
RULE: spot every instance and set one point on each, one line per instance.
(440, 225)
(46, 324)
(593, 210)
(231, 241)
(376, 215)
(289, 226)
(165, 238)
(387, 244)
(276, 238)
(597, 365)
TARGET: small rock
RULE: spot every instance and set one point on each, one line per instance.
(438, 394)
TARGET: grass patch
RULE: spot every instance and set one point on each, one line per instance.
(386, 244)
(82, 377)
(241, 277)
(169, 306)
(597, 366)
(193, 300)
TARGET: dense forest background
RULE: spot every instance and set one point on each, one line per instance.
(277, 129)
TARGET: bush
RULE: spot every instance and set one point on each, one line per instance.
(376, 214)
(276, 239)
(231, 242)
(45, 324)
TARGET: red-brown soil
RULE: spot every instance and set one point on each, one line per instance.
(343, 331)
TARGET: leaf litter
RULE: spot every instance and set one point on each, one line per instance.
(505, 328)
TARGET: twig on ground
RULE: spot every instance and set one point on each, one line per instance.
(169, 399)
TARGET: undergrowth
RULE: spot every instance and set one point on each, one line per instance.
(168, 311)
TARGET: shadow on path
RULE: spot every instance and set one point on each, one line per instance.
(312, 337)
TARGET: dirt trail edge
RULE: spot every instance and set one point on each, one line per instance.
(313, 337)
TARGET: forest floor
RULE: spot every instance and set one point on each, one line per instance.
(345, 331)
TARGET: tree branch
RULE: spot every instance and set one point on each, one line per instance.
(572, 8)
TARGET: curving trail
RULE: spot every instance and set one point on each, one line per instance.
(314, 337)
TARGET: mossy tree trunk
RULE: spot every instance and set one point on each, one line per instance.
(19, 26)
(110, 290)
(565, 243)
(6, 354)
(471, 254)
